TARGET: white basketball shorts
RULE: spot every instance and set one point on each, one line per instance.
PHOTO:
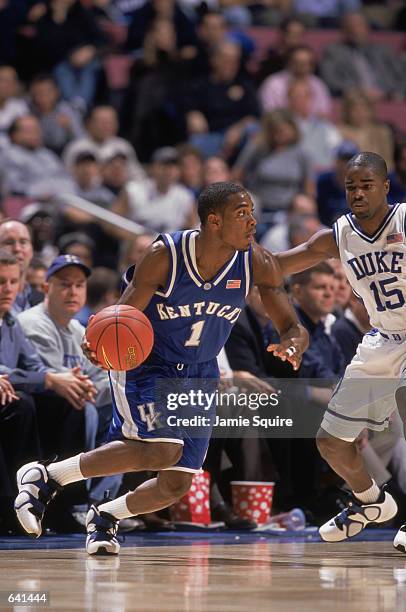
(365, 396)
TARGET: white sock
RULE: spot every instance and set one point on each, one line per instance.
(118, 508)
(369, 496)
(67, 471)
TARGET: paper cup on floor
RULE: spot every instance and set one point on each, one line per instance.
(252, 500)
(194, 507)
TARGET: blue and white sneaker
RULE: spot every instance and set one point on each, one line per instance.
(356, 516)
(400, 539)
(101, 533)
(35, 491)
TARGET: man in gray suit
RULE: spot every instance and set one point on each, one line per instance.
(358, 63)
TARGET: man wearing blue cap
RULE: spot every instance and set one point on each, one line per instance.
(57, 336)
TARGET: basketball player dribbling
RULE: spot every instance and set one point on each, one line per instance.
(192, 286)
(370, 241)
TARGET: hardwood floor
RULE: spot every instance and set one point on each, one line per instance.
(210, 577)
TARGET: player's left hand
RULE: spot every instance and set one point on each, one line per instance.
(291, 349)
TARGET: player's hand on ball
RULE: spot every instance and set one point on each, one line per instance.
(87, 351)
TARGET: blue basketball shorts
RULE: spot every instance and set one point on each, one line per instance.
(141, 410)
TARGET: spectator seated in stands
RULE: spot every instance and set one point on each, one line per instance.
(223, 107)
(215, 169)
(29, 168)
(326, 14)
(212, 30)
(191, 169)
(40, 220)
(36, 274)
(87, 180)
(320, 137)
(19, 438)
(115, 168)
(102, 127)
(331, 201)
(68, 39)
(60, 123)
(301, 65)
(164, 9)
(397, 190)
(15, 238)
(274, 166)
(62, 431)
(314, 292)
(79, 245)
(290, 35)
(57, 338)
(134, 249)
(357, 62)
(298, 228)
(152, 112)
(359, 125)
(159, 203)
(11, 106)
(349, 329)
(342, 294)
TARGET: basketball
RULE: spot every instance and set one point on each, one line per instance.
(121, 336)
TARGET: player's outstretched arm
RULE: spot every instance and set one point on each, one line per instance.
(319, 247)
(294, 338)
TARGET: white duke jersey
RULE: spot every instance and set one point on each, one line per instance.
(376, 266)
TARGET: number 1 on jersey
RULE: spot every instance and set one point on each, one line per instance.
(197, 329)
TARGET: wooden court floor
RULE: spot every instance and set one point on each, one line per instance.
(209, 577)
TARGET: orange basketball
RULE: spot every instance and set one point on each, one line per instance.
(121, 336)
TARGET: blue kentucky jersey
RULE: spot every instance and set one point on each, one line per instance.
(192, 318)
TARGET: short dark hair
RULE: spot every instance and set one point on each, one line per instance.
(214, 198)
(7, 259)
(367, 159)
(101, 281)
(36, 263)
(303, 278)
(43, 77)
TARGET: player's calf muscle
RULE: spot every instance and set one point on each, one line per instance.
(129, 456)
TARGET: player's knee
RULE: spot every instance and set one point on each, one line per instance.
(174, 484)
(164, 455)
(328, 446)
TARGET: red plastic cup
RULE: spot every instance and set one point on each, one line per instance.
(194, 507)
(252, 500)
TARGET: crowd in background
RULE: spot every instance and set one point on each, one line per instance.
(137, 106)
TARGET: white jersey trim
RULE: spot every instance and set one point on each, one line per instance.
(185, 257)
(247, 272)
(174, 267)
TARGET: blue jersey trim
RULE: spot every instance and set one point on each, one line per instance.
(379, 231)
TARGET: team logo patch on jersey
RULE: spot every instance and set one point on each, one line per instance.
(394, 238)
(233, 284)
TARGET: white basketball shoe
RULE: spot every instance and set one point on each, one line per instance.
(400, 539)
(101, 533)
(356, 516)
(35, 491)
